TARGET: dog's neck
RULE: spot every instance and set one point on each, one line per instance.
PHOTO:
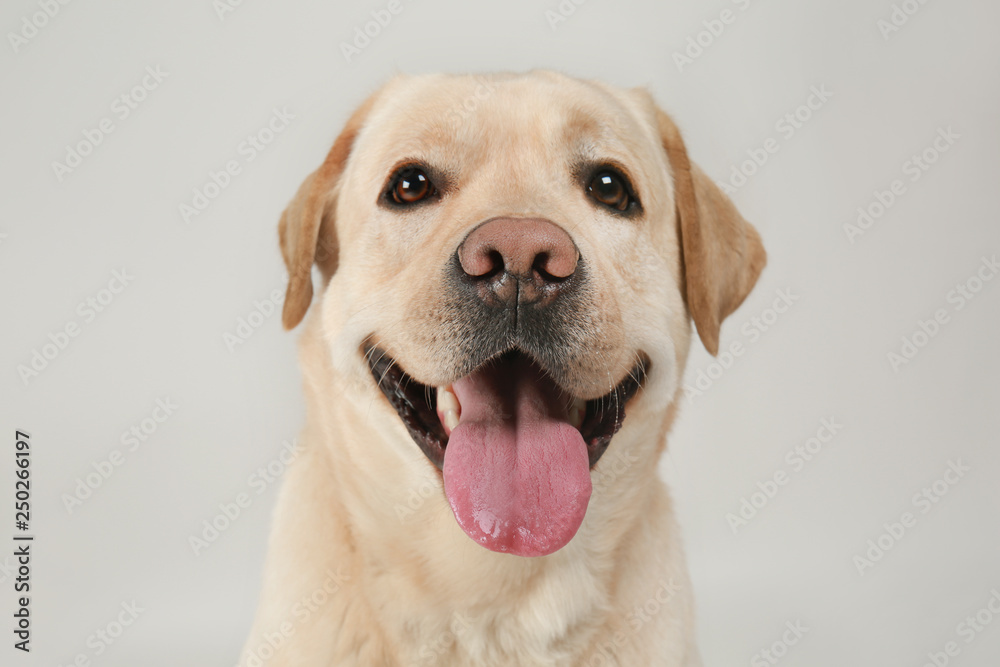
(400, 541)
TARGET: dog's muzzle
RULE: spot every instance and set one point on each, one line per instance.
(515, 447)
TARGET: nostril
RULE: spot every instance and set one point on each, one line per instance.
(480, 261)
(541, 267)
(496, 264)
(558, 264)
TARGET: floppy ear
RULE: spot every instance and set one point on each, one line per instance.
(307, 231)
(722, 253)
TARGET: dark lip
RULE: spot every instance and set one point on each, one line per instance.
(416, 405)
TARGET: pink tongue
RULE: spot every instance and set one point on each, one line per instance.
(516, 473)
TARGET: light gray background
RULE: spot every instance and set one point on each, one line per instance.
(163, 336)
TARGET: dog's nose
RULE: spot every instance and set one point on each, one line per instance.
(522, 259)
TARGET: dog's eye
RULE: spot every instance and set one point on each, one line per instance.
(411, 185)
(609, 189)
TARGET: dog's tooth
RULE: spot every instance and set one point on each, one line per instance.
(577, 412)
(450, 420)
(447, 400)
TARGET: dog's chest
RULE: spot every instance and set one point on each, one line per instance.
(543, 620)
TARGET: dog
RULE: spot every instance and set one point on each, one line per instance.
(510, 268)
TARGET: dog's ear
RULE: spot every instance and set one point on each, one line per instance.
(722, 253)
(307, 231)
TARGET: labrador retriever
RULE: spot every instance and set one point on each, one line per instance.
(510, 266)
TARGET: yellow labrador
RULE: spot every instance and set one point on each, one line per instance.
(510, 267)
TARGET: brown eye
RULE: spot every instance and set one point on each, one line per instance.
(410, 186)
(609, 189)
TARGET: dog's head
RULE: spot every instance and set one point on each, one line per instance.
(515, 261)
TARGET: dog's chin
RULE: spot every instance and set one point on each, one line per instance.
(514, 447)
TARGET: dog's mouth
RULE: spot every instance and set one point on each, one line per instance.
(514, 448)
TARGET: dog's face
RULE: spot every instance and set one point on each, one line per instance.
(514, 262)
